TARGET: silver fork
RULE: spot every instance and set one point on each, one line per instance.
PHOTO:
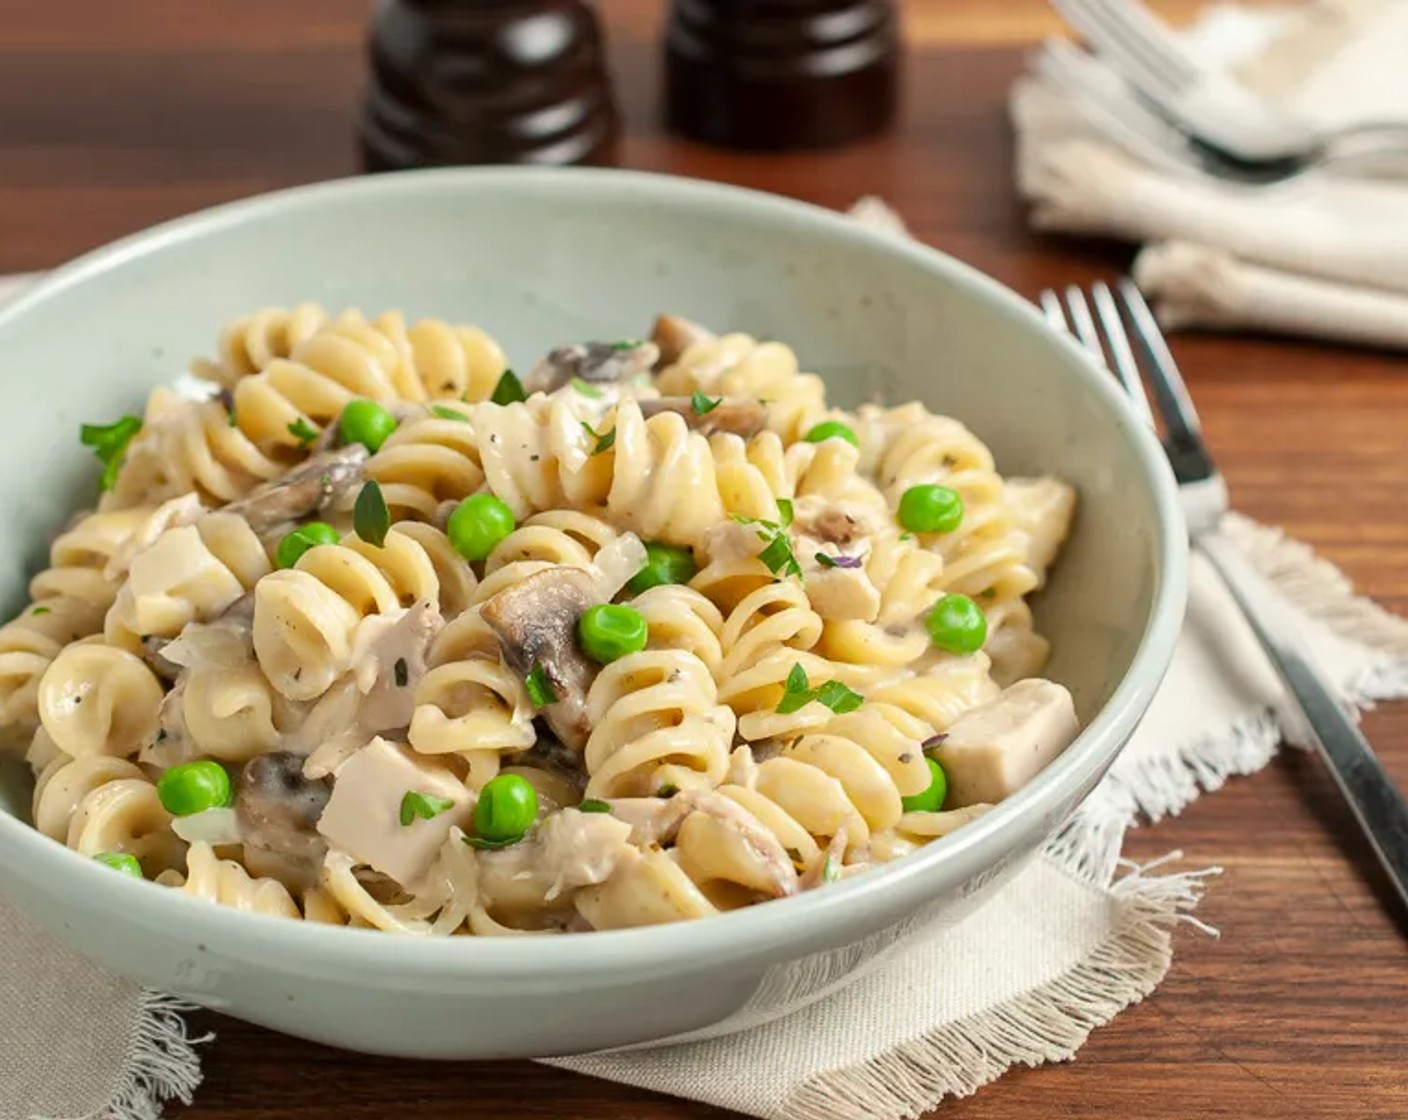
(1216, 111)
(1110, 105)
(1378, 806)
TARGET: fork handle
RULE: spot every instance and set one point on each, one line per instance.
(1378, 806)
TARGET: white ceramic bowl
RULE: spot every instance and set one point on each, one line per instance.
(541, 257)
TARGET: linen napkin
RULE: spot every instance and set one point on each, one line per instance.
(1077, 937)
(1326, 255)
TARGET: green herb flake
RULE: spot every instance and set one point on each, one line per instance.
(667, 790)
(539, 688)
(906, 536)
(234, 419)
(592, 805)
(403, 672)
(370, 517)
(626, 344)
(784, 509)
(303, 431)
(829, 871)
(703, 405)
(446, 413)
(109, 443)
(39, 611)
(425, 806)
(509, 390)
(796, 693)
(825, 560)
(839, 698)
(988, 593)
(779, 557)
(604, 440)
(585, 389)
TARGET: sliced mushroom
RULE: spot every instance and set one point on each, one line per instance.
(594, 362)
(550, 755)
(307, 489)
(740, 415)
(674, 335)
(152, 647)
(279, 807)
(535, 621)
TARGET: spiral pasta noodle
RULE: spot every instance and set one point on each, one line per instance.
(68, 601)
(305, 617)
(682, 652)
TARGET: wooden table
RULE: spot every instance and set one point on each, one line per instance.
(118, 113)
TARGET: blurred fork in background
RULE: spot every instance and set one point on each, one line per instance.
(1216, 111)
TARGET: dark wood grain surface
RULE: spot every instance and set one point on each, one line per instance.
(118, 113)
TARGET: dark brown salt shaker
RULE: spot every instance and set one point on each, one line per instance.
(776, 74)
(486, 81)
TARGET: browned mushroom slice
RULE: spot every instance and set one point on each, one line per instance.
(674, 336)
(740, 415)
(307, 489)
(596, 363)
(278, 807)
(535, 621)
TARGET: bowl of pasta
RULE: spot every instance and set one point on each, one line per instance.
(685, 597)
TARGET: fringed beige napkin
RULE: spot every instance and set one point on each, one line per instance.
(1075, 939)
(1326, 255)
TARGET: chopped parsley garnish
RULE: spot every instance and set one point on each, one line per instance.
(703, 405)
(829, 871)
(109, 443)
(370, 517)
(784, 510)
(592, 805)
(445, 413)
(40, 610)
(425, 806)
(625, 344)
(667, 790)
(906, 536)
(839, 698)
(585, 389)
(826, 560)
(778, 556)
(234, 420)
(604, 440)
(403, 672)
(797, 693)
(509, 390)
(303, 431)
(777, 552)
(988, 593)
(539, 688)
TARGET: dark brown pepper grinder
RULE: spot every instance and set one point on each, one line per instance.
(486, 81)
(777, 74)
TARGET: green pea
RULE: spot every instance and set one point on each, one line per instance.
(932, 799)
(120, 861)
(479, 523)
(831, 429)
(664, 563)
(300, 540)
(367, 423)
(507, 808)
(608, 632)
(957, 624)
(931, 509)
(194, 787)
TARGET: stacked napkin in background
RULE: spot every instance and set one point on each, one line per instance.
(1325, 255)
(1076, 938)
